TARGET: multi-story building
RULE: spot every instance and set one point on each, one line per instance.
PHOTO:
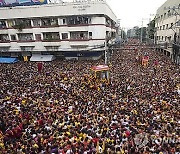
(66, 29)
(167, 24)
(132, 33)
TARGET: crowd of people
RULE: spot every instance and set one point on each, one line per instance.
(52, 112)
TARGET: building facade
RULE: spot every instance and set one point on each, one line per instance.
(132, 33)
(167, 25)
(67, 29)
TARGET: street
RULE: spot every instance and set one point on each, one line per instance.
(52, 111)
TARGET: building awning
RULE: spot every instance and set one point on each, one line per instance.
(37, 57)
(26, 53)
(8, 60)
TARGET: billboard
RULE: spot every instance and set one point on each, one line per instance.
(9, 3)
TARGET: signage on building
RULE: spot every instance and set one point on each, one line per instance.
(10, 3)
(81, 7)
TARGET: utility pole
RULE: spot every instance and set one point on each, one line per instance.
(106, 48)
(119, 30)
(142, 32)
(122, 35)
(105, 54)
(141, 36)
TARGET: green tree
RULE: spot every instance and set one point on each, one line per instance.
(144, 33)
(151, 29)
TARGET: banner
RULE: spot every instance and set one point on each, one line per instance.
(24, 1)
(8, 3)
(1, 2)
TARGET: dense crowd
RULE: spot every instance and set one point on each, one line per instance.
(53, 112)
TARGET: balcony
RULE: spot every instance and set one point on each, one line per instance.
(25, 37)
(51, 37)
(11, 23)
(78, 20)
(36, 22)
(49, 22)
(4, 38)
(3, 25)
(79, 36)
(20, 24)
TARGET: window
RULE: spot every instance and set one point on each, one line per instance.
(169, 13)
(13, 37)
(167, 26)
(25, 37)
(64, 21)
(160, 27)
(36, 22)
(169, 38)
(2, 24)
(77, 20)
(178, 23)
(23, 22)
(64, 36)
(90, 35)
(108, 22)
(162, 38)
(163, 27)
(38, 37)
(171, 25)
(4, 37)
(79, 35)
(49, 22)
(11, 23)
(164, 15)
(51, 36)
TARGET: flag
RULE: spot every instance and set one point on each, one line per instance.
(39, 65)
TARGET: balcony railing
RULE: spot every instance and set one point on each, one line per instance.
(25, 37)
(4, 38)
(51, 36)
(78, 20)
(79, 35)
(2, 24)
(49, 22)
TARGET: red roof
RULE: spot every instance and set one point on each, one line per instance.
(100, 68)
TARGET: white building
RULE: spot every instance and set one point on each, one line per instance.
(68, 29)
(167, 24)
